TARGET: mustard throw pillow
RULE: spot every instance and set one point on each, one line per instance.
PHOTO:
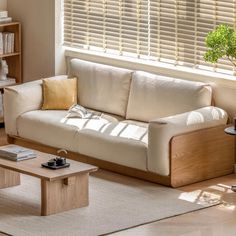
(59, 94)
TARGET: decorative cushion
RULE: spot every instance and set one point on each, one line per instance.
(101, 87)
(153, 96)
(59, 94)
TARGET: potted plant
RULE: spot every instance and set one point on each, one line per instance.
(221, 42)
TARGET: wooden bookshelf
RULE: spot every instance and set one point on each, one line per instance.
(14, 60)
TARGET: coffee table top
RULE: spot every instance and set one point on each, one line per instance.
(33, 167)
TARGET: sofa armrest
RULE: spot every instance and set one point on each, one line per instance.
(22, 98)
(160, 132)
(18, 100)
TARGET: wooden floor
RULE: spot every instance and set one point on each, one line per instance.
(214, 221)
(219, 220)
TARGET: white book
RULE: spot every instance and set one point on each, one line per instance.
(15, 152)
(1, 104)
(3, 14)
(12, 42)
(26, 157)
(9, 42)
(1, 43)
(30, 156)
(5, 41)
(5, 20)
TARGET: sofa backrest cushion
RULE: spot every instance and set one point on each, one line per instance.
(153, 96)
(101, 87)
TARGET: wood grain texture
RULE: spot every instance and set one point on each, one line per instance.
(62, 195)
(8, 178)
(33, 167)
(201, 155)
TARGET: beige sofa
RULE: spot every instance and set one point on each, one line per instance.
(152, 127)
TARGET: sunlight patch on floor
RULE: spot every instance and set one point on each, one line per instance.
(216, 194)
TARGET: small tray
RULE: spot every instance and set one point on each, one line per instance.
(55, 167)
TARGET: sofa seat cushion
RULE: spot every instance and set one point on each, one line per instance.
(118, 142)
(101, 87)
(154, 96)
(50, 127)
(107, 138)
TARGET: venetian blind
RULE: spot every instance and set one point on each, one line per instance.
(171, 31)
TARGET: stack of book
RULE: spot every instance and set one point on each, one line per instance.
(4, 17)
(16, 153)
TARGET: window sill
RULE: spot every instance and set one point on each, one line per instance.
(154, 67)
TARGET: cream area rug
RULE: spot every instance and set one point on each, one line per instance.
(116, 203)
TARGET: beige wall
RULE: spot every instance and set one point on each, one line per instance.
(3, 4)
(38, 36)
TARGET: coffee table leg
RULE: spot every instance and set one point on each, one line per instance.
(9, 178)
(65, 194)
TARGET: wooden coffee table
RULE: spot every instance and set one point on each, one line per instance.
(61, 190)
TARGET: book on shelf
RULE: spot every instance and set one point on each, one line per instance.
(12, 39)
(1, 105)
(3, 14)
(7, 82)
(16, 153)
(1, 43)
(5, 20)
(7, 42)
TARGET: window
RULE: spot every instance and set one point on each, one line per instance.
(171, 31)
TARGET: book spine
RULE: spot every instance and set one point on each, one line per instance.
(9, 43)
(5, 42)
(1, 104)
(12, 42)
(1, 43)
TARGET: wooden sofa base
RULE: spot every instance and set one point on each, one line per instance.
(194, 157)
(201, 155)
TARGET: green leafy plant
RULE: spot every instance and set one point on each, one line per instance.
(221, 42)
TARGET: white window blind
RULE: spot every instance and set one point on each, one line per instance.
(170, 31)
